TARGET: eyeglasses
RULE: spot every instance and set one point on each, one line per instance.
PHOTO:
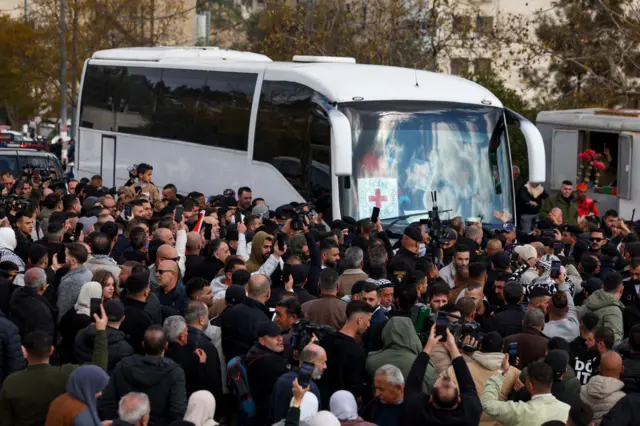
(175, 259)
(597, 240)
(162, 271)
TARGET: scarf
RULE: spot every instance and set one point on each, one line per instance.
(201, 409)
(534, 192)
(343, 405)
(84, 383)
(91, 290)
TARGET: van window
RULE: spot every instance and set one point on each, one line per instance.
(9, 163)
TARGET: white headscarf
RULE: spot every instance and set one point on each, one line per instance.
(8, 238)
(308, 410)
(343, 405)
(91, 290)
(201, 409)
(325, 418)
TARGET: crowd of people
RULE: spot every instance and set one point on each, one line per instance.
(140, 306)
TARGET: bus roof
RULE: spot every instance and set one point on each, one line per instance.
(339, 82)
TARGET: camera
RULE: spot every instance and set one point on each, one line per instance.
(302, 333)
(13, 203)
(298, 221)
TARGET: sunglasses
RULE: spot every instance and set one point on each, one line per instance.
(162, 271)
(597, 240)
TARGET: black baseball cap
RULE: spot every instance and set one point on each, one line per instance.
(557, 359)
(114, 310)
(268, 328)
(500, 260)
(235, 294)
(414, 233)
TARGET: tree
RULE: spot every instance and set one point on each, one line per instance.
(593, 46)
(512, 100)
(416, 33)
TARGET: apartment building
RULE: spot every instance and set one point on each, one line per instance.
(504, 61)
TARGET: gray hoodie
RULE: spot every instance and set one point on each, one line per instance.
(69, 289)
(569, 327)
(601, 394)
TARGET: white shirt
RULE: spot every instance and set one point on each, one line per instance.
(541, 395)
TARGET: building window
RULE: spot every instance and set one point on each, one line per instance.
(461, 24)
(459, 66)
(484, 25)
(482, 66)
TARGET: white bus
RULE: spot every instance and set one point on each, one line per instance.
(343, 136)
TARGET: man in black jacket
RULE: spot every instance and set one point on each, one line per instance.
(405, 259)
(136, 319)
(508, 321)
(240, 323)
(631, 363)
(11, 357)
(159, 377)
(197, 318)
(265, 364)
(29, 310)
(446, 406)
(118, 346)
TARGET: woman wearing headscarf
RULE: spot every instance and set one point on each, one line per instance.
(77, 407)
(76, 319)
(325, 418)
(528, 203)
(343, 405)
(201, 409)
(8, 244)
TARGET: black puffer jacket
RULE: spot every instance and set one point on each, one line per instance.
(240, 325)
(160, 378)
(11, 358)
(118, 347)
(30, 312)
(264, 367)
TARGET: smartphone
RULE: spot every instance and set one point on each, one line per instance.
(305, 374)
(375, 214)
(178, 214)
(77, 231)
(557, 247)
(280, 241)
(127, 211)
(62, 256)
(555, 269)
(512, 353)
(286, 273)
(94, 306)
(207, 231)
(442, 322)
(138, 189)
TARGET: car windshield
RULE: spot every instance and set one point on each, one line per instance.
(404, 150)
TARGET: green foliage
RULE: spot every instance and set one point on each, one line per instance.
(510, 99)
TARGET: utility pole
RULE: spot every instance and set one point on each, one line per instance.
(63, 71)
(74, 75)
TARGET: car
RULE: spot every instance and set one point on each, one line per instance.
(14, 139)
(15, 160)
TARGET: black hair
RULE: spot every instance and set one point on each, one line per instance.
(154, 340)
(634, 338)
(101, 244)
(459, 248)
(7, 265)
(567, 182)
(405, 295)
(38, 344)
(154, 245)
(231, 263)
(292, 306)
(138, 237)
(195, 285)
(368, 287)
(465, 305)
(590, 321)
(78, 251)
(188, 203)
(491, 342)
(171, 186)
(477, 270)
(68, 200)
(512, 292)
(51, 201)
(240, 277)
(605, 334)
(243, 189)
(541, 375)
(439, 288)
(256, 201)
(358, 307)
(589, 264)
(144, 168)
(580, 414)
(612, 281)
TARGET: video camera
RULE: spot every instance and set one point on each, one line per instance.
(436, 227)
(460, 329)
(302, 333)
(13, 203)
(298, 221)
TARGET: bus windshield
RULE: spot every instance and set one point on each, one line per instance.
(402, 151)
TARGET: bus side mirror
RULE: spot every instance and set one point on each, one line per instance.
(535, 145)
(341, 148)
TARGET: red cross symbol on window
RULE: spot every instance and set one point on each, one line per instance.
(378, 198)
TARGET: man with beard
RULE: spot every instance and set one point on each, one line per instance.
(632, 284)
(565, 201)
(329, 253)
(598, 240)
(461, 258)
(585, 351)
(282, 390)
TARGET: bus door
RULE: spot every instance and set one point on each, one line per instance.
(108, 161)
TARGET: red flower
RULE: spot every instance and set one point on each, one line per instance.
(590, 152)
(598, 165)
(581, 156)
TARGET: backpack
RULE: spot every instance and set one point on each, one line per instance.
(238, 384)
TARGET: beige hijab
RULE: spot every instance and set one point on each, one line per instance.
(535, 192)
(201, 409)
